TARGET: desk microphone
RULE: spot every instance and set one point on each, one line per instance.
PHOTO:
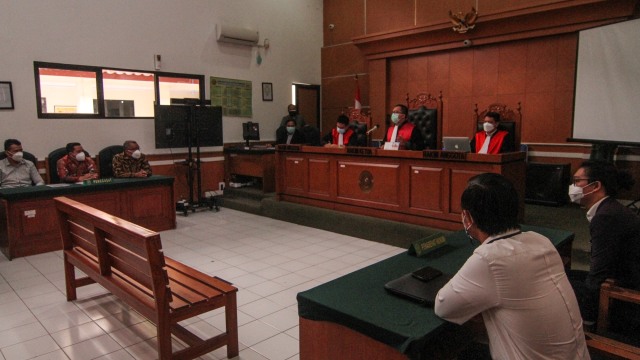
(372, 129)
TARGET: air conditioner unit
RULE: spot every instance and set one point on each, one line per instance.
(237, 35)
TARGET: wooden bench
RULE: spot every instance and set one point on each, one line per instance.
(604, 345)
(128, 261)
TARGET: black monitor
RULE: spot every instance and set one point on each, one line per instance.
(180, 126)
(250, 131)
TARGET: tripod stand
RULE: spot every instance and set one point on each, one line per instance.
(193, 165)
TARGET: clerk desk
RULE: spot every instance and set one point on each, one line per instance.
(29, 224)
(419, 187)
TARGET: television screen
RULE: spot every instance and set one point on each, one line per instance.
(250, 131)
(178, 126)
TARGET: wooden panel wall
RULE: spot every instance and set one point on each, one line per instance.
(519, 55)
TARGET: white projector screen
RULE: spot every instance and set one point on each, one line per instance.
(607, 98)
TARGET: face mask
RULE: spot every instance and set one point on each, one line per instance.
(80, 156)
(576, 193)
(472, 240)
(342, 131)
(488, 127)
(292, 113)
(291, 129)
(395, 118)
(136, 154)
(18, 156)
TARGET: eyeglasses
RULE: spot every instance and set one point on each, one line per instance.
(575, 180)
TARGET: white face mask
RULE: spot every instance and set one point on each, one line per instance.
(136, 154)
(342, 131)
(291, 129)
(18, 156)
(80, 156)
(576, 193)
(395, 118)
(488, 127)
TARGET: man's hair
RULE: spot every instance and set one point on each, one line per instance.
(405, 109)
(71, 145)
(608, 175)
(492, 201)
(128, 143)
(494, 115)
(343, 119)
(9, 142)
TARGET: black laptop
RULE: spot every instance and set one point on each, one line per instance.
(414, 287)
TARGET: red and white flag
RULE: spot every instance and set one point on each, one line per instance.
(358, 104)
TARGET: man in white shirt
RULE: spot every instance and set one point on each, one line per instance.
(515, 280)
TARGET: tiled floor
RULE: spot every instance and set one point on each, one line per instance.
(270, 261)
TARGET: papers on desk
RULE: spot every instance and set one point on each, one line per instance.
(58, 185)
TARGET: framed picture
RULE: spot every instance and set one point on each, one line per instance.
(267, 92)
(6, 95)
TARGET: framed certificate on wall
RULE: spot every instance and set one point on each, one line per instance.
(6, 95)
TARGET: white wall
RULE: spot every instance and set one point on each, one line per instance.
(126, 34)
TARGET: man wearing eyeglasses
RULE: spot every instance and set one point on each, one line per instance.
(614, 230)
(131, 162)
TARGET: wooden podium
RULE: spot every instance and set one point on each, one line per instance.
(418, 187)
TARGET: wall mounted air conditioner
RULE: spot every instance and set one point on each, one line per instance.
(237, 35)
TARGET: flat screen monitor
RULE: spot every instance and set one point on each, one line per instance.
(250, 131)
(179, 126)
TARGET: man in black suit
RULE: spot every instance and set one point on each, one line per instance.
(289, 134)
(615, 234)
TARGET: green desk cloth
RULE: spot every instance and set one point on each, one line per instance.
(359, 301)
(29, 192)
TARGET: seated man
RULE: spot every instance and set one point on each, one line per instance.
(16, 171)
(131, 162)
(514, 279)
(615, 237)
(289, 134)
(341, 135)
(490, 140)
(76, 165)
(403, 133)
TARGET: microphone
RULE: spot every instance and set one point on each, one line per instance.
(372, 129)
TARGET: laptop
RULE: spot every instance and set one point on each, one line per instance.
(456, 143)
(420, 291)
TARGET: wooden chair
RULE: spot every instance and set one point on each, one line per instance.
(510, 120)
(425, 112)
(622, 346)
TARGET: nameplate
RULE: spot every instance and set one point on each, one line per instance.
(289, 147)
(97, 181)
(359, 151)
(392, 145)
(426, 245)
(444, 155)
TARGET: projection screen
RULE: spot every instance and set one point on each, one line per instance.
(607, 98)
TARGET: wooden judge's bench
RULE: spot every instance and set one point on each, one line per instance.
(418, 187)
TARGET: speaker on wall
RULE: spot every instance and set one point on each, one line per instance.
(547, 184)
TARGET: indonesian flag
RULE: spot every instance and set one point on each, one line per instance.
(357, 105)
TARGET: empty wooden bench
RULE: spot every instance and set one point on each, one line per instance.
(128, 261)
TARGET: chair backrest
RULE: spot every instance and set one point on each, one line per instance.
(360, 122)
(51, 162)
(311, 135)
(105, 160)
(510, 120)
(425, 112)
(26, 155)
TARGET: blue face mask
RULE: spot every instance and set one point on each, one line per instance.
(291, 129)
(395, 118)
(342, 131)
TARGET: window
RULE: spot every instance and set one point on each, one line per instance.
(76, 91)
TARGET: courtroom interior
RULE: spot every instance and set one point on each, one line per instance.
(300, 155)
